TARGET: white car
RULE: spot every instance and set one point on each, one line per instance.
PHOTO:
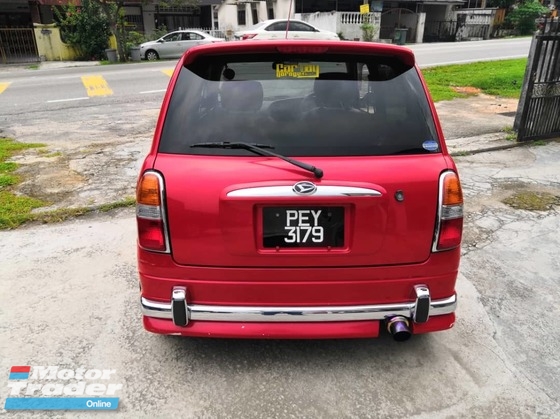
(174, 44)
(282, 29)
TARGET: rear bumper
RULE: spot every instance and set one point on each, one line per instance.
(178, 317)
(296, 314)
(296, 303)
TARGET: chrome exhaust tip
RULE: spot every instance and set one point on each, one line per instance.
(398, 327)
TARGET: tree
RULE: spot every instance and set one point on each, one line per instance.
(523, 17)
(114, 10)
(85, 28)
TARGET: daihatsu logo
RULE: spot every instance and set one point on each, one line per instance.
(304, 188)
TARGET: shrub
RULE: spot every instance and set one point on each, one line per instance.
(522, 18)
(158, 33)
(85, 28)
(134, 39)
(368, 29)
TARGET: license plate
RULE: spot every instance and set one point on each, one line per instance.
(303, 227)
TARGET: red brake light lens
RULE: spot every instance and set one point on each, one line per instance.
(296, 49)
(451, 232)
(150, 234)
(248, 36)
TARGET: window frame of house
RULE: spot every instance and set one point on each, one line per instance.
(241, 15)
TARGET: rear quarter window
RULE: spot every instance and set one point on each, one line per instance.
(301, 106)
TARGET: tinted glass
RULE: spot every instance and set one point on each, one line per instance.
(300, 27)
(176, 36)
(191, 36)
(279, 26)
(302, 106)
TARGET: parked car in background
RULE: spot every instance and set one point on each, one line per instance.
(298, 189)
(277, 29)
(174, 44)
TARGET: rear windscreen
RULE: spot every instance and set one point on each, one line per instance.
(318, 105)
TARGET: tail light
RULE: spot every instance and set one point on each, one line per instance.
(248, 36)
(449, 226)
(150, 213)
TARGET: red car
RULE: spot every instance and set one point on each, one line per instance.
(298, 189)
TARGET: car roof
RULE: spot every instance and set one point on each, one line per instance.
(198, 31)
(270, 21)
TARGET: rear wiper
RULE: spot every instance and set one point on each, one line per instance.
(261, 149)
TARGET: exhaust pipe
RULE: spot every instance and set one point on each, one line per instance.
(398, 327)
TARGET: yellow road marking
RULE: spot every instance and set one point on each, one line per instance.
(169, 72)
(3, 86)
(96, 86)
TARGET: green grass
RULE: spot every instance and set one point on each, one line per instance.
(20, 211)
(8, 148)
(497, 78)
(13, 206)
(16, 210)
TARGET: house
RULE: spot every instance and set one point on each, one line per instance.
(414, 21)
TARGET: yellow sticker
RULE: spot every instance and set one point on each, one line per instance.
(297, 70)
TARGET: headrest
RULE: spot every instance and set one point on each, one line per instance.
(336, 90)
(241, 96)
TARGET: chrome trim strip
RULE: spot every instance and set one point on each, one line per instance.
(287, 191)
(297, 314)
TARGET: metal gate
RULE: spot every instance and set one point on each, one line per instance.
(18, 46)
(398, 18)
(440, 31)
(538, 112)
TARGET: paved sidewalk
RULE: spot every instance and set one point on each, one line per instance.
(46, 65)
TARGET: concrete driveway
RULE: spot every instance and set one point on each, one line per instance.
(69, 298)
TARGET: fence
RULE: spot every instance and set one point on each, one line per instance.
(440, 31)
(18, 46)
(217, 33)
(538, 113)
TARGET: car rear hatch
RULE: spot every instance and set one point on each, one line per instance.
(361, 116)
(225, 211)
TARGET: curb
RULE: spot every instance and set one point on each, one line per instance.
(463, 153)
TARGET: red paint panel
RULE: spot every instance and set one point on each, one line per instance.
(333, 330)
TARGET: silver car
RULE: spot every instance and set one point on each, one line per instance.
(174, 44)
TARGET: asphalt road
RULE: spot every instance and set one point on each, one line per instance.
(464, 52)
(69, 298)
(27, 91)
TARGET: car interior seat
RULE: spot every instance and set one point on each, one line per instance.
(336, 90)
(241, 96)
(238, 118)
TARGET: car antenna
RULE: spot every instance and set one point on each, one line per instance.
(289, 15)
